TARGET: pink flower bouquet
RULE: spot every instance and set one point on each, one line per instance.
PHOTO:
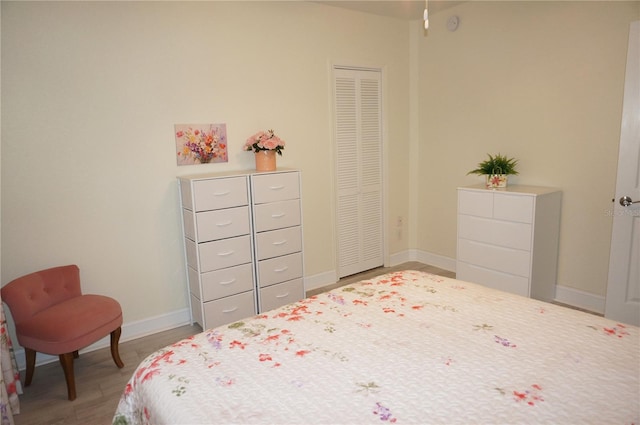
(264, 141)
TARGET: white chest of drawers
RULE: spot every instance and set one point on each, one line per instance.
(508, 238)
(219, 255)
(243, 243)
(277, 220)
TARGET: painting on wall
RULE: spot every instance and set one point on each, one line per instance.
(201, 143)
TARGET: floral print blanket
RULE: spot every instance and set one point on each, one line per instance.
(10, 386)
(406, 347)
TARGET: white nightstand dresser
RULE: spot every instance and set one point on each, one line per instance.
(217, 233)
(243, 243)
(277, 219)
(508, 238)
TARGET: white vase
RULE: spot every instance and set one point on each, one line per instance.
(496, 180)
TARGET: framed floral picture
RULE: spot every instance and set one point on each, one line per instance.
(201, 143)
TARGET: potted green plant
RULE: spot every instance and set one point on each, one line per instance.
(496, 169)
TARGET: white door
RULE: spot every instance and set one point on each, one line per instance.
(623, 289)
(358, 142)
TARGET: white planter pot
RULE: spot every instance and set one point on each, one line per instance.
(496, 180)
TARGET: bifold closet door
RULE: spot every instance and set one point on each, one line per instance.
(358, 139)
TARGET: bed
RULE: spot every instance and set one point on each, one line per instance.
(406, 347)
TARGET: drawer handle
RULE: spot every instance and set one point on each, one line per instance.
(224, 224)
(280, 270)
(283, 295)
(221, 193)
(225, 254)
(282, 242)
(231, 310)
(278, 215)
(276, 187)
(227, 282)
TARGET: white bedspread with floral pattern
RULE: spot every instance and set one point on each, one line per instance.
(406, 348)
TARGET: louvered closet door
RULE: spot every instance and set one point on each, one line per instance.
(358, 138)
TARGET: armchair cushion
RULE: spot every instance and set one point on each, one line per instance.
(70, 325)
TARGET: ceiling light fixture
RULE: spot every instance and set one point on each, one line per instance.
(426, 14)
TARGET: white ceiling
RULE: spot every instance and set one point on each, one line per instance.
(403, 9)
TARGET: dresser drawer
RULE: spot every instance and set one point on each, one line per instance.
(221, 224)
(279, 242)
(214, 194)
(279, 269)
(494, 257)
(222, 283)
(504, 233)
(275, 187)
(229, 309)
(277, 215)
(473, 202)
(281, 294)
(493, 279)
(513, 207)
(219, 254)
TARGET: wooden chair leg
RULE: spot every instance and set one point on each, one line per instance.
(30, 359)
(115, 353)
(66, 360)
(76, 354)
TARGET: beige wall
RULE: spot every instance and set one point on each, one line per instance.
(540, 81)
(90, 94)
(91, 91)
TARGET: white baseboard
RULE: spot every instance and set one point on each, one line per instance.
(581, 299)
(440, 261)
(437, 260)
(130, 331)
(399, 258)
(320, 280)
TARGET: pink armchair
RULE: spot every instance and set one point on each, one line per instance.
(52, 316)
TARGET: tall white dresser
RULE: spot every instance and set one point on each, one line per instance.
(277, 227)
(235, 270)
(508, 238)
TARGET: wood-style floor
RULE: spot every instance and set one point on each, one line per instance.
(99, 383)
